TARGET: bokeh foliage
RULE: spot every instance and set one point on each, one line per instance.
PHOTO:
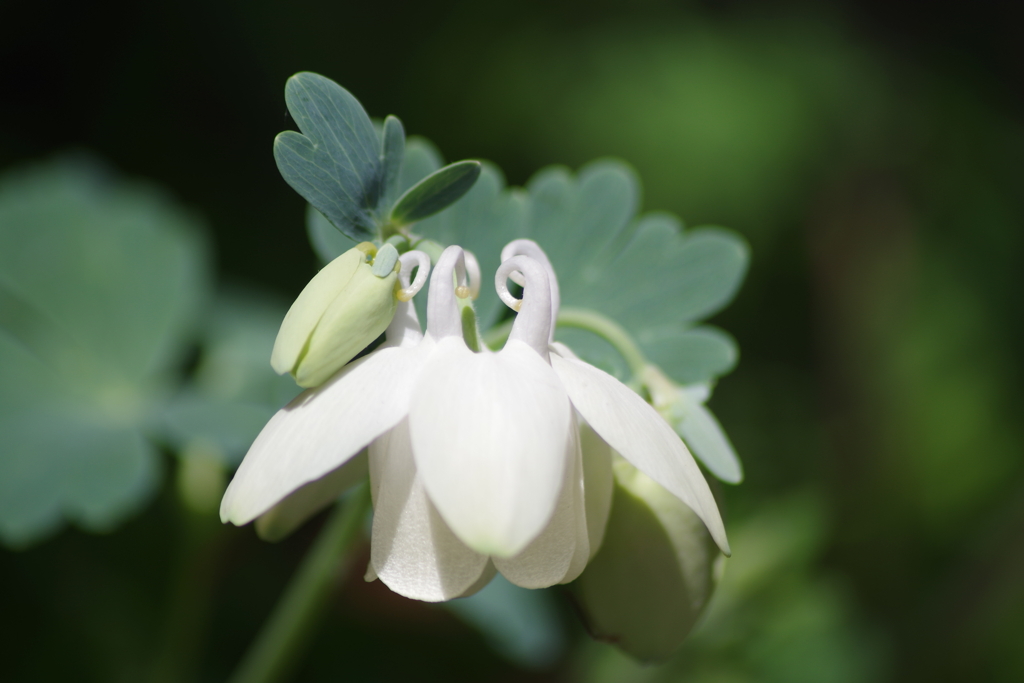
(876, 179)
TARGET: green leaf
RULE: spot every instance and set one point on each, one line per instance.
(328, 242)
(335, 162)
(420, 160)
(229, 425)
(117, 271)
(435, 192)
(596, 350)
(100, 286)
(576, 220)
(691, 355)
(648, 274)
(520, 624)
(705, 438)
(392, 152)
(66, 464)
(234, 391)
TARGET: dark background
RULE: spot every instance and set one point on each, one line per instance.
(869, 151)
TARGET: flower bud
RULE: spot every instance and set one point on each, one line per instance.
(654, 573)
(340, 312)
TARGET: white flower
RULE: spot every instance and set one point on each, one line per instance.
(468, 452)
(487, 473)
(624, 420)
(475, 459)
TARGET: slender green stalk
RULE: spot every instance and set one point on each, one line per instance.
(193, 585)
(276, 650)
(586, 319)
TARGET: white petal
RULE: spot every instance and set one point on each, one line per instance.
(708, 442)
(489, 432)
(321, 429)
(412, 550)
(561, 551)
(633, 428)
(485, 578)
(598, 484)
(305, 501)
(562, 350)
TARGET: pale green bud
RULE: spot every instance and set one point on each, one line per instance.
(340, 312)
(654, 573)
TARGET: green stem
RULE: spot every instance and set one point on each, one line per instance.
(190, 599)
(611, 331)
(277, 648)
(586, 319)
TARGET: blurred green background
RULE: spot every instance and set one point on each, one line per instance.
(870, 153)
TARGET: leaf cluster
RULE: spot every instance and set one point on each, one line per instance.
(647, 272)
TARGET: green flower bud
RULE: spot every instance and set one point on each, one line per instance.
(654, 573)
(340, 312)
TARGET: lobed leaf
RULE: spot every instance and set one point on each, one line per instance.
(335, 162)
(690, 355)
(646, 273)
(100, 285)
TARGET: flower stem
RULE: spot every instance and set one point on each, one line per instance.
(611, 331)
(277, 648)
(586, 319)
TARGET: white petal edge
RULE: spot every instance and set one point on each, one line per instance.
(561, 551)
(322, 428)
(489, 433)
(708, 442)
(307, 500)
(412, 550)
(598, 484)
(634, 429)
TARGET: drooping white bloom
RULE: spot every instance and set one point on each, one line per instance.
(487, 473)
(474, 458)
(624, 420)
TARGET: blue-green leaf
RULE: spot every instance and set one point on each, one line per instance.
(577, 219)
(234, 391)
(392, 153)
(420, 160)
(520, 624)
(100, 286)
(328, 242)
(648, 274)
(435, 192)
(693, 355)
(66, 464)
(335, 162)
